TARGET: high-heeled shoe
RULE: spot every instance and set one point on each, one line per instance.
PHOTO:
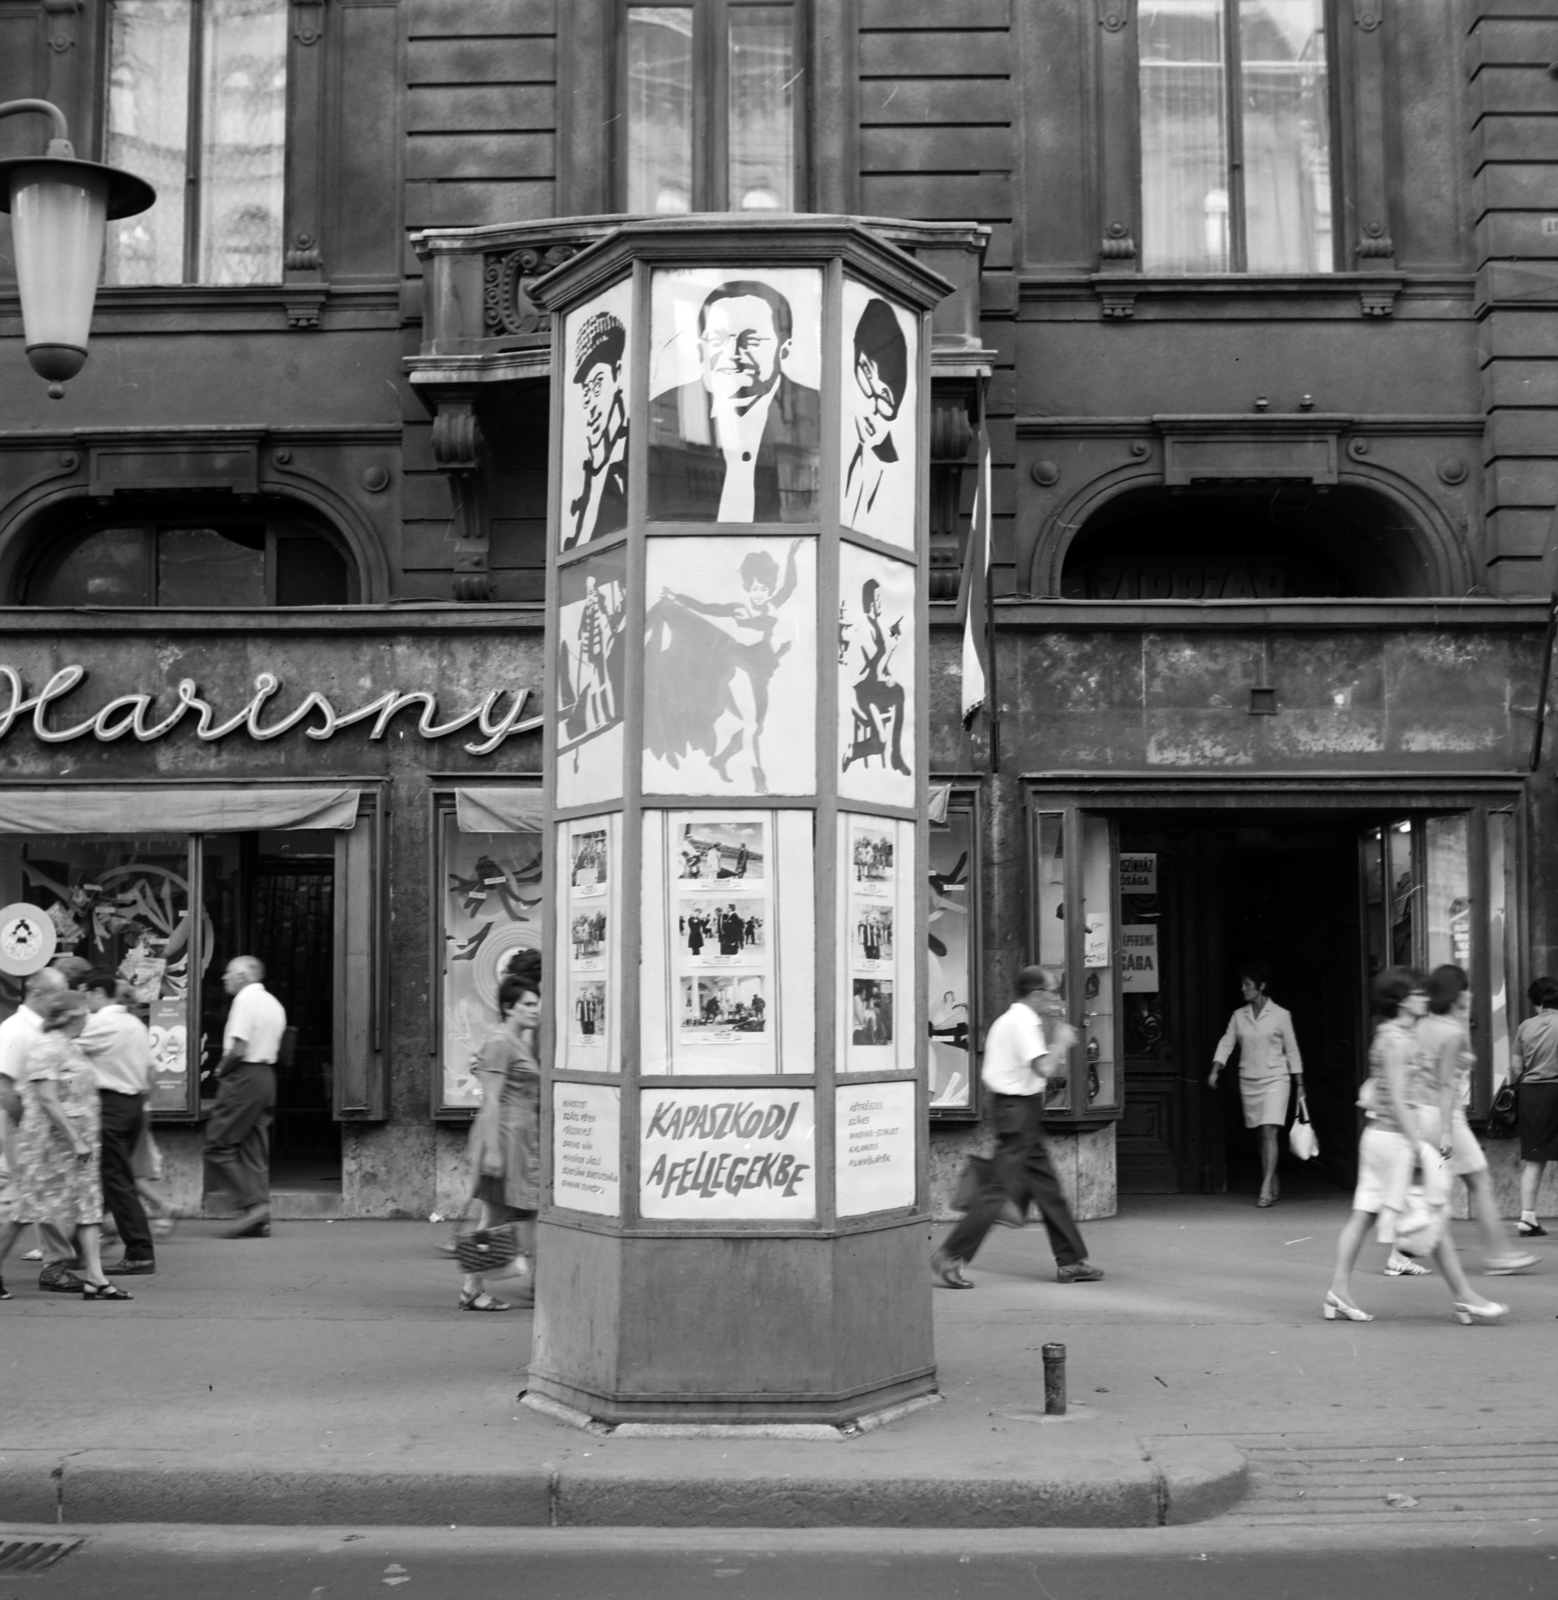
(1491, 1312)
(1334, 1306)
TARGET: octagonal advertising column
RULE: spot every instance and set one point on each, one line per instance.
(734, 1227)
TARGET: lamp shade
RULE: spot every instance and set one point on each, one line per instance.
(58, 209)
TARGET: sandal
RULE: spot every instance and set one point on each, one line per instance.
(475, 1302)
(104, 1291)
(1400, 1266)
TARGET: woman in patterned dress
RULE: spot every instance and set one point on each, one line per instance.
(56, 1148)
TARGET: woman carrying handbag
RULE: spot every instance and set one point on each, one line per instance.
(1535, 1062)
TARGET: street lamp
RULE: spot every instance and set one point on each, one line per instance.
(59, 207)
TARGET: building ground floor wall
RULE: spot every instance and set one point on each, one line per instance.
(360, 792)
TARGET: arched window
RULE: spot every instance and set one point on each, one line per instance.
(184, 560)
(1242, 543)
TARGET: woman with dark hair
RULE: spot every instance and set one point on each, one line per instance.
(1398, 1086)
(1535, 1064)
(1269, 1063)
(1445, 1042)
(505, 1142)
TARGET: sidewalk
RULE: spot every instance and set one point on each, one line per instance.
(325, 1376)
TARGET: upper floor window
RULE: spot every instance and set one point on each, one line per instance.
(1235, 136)
(197, 93)
(712, 103)
(194, 565)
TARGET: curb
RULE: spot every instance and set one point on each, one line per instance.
(1166, 1482)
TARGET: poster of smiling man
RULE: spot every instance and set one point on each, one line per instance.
(595, 418)
(876, 678)
(591, 618)
(730, 666)
(734, 419)
(878, 417)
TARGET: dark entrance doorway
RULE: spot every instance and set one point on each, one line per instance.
(1281, 889)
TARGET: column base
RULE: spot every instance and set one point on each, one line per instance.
(821, 1431)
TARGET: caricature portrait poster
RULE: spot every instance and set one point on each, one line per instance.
(878, 416)
(591, 619)
(594, 476)
(734, 414)
(730, 666)
(876, 678)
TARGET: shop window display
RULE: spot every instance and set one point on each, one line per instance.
(949, 960)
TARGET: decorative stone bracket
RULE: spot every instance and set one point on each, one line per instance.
(459, 451)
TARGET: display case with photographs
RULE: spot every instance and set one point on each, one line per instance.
(588, 939)
(727, 982)
(876, 970)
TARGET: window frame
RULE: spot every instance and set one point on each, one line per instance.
(194, 121)
(61, 540)
(1340, 131)
(711, 98)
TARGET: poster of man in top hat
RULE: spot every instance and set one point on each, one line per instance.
(877, 418)
(734, 422)
(595, 427)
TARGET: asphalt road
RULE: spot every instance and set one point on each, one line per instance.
(146, 1563)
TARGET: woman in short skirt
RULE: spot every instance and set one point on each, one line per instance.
(1401, 1079)
(1536, 1065)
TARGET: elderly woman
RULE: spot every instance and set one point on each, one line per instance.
(506, 1136)
(1268, 1063)
(55, 1150)
(1402, 1082)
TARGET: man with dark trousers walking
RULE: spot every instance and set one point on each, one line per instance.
(119, 1047)
(237, 1152)
(1017, 1061)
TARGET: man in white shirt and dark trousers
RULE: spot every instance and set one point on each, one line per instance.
(237, 1152)
(119, 1047)
(1017, 1056)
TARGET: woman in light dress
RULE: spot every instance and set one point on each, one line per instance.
(1269, 1064)
(55, 1152)
(1402, 1083)
(505, 1145)
(1445, 1042)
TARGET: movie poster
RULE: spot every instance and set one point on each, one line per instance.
(734, 414)
(587, 938)
(594, 474)
(876, 676)
(730, 667)
(591, 623)
(727, 1154)
(878, 984)
(878, 417)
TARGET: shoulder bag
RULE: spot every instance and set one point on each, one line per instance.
(1504, 1113)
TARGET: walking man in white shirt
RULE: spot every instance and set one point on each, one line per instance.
(18, 1034)
(1018, 1059)
(119, 1047)
(237, 1152)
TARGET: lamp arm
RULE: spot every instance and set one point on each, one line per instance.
(59, 145)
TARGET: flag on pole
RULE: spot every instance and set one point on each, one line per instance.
(974, 595)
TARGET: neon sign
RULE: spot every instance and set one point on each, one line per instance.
(132, 713)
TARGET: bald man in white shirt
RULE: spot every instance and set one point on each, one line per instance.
(237, 1153)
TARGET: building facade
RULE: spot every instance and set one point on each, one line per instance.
(1255, 305)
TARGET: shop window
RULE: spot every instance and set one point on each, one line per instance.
(196, 104)
(956, 1028)
(712, 100)
(1236, 115)
(194, 566)
(487, 892)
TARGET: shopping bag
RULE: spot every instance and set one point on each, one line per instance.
(1301, 1136)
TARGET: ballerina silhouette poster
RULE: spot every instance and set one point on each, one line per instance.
(591, 619)
(876, 678)
(730, 666)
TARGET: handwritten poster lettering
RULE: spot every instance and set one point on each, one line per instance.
(728, 1153)
(875, 1135)
(586, 1125)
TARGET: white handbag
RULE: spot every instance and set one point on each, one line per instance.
(1301, 1136)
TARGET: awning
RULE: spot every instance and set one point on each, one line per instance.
(194, 810)
(497, 809)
